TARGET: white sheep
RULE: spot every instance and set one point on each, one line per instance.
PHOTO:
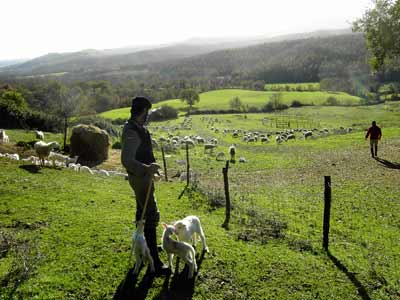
(4, 137)
(104, 173)
(209, 147)
(242, 159)
(232, 152)
(43, 149)
(71, 160)
(184, 250)
(307, 134)
(140, 248)
(39, 135)
(86, 169)
(57, 157)
(187, 229)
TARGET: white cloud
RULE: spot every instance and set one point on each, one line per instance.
(33, 28)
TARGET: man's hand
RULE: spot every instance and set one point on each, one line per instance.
(153, 168)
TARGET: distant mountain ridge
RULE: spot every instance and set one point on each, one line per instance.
(115, 59)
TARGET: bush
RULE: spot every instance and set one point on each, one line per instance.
(332, 101)
(296, 103)
(164, 113)
(253, 109)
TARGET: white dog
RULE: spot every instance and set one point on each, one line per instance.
(140, 248)
(187, 228)
(182, 249)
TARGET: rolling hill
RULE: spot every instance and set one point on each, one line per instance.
(127, 58)
(219, 100)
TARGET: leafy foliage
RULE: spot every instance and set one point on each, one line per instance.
(381, 27)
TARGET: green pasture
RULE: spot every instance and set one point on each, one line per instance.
(66, 235)
(219, 100)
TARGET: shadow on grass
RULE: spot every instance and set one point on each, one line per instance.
(127, 289)
(362, 292)
(180, 287)
(31, 168)
(34, 169)
(388, 164)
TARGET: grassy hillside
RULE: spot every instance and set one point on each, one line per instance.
(219, 100)
(66, 235)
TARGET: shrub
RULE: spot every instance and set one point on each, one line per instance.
(332, 101)
(164, 113)
(296, 103)
(253, 109)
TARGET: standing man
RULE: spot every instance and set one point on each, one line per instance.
(375, 134)
(138, 159)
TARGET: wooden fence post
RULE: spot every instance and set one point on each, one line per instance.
(227, 198)
(327, 212)
(187, 165)
(164, 163)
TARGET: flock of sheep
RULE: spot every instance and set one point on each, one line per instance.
(171, 141)
(45, 156)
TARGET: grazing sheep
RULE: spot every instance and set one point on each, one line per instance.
(186, 230)
(86, 169)
(140, 248)
(14, 156)
(104, 173)
(279, 139)
(209, 147)
(242, 159)
(232, 152)
(43, 149)
(71, 160)
(264, 139)
(39, 135)
(4, 137)
(184, 250)
(53, 156)
(307, 134)
(220, 156)
(74, 167)
(291, 137)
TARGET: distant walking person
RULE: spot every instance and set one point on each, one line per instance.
(375, 134)
(138, 159)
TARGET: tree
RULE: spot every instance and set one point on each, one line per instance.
(381, 27)
(235, 103)
(190, 96)
(65, 103)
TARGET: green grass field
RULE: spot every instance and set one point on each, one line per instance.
(219, 100)
(66, 235)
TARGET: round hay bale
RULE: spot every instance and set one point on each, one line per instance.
(90, 143)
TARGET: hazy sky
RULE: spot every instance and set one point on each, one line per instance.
(32, 28)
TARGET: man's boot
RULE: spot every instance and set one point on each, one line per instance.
(372, 152)
(150, 233)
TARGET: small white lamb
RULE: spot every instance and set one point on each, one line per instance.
(4, 137)
(140, 248)
(39, 135)
(182, 249)
(187, 229)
